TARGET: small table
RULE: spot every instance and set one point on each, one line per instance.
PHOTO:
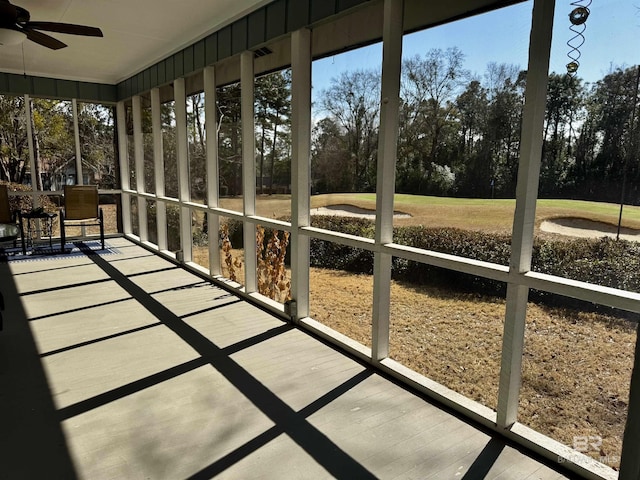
(35, 230)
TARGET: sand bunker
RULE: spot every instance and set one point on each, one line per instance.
(571, 227)
(352, 211)
(583, 228)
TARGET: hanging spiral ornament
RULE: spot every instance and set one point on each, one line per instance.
(578, 18)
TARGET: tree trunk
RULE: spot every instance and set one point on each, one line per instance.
(273, 151)
(196, 112)
(262, 162)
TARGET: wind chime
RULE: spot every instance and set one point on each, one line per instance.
(578, 18)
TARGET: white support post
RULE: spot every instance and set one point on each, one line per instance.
(32, 156)
(248, 169)
(182, 151)
(138, 148)
(138, 143)
(76, 138)
(158, 169)
(35, 198)
(213, 226)
(524, 219)
(78, 151)
(211, 133)
(387, 151)
(300, 168)
(123, 157)
(630, 459)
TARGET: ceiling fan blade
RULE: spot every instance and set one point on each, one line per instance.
(44, 40)
(69, 28)
(8, 14)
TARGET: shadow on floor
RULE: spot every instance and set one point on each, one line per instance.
(32, 444)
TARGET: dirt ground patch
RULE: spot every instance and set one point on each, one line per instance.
(576, 366)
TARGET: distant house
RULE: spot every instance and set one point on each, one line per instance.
(65, 174)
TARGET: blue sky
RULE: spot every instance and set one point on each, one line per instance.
(612, 38)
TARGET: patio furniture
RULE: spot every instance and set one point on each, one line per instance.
(9, 230)
(6, 215)
(81, 209)
(39, 224)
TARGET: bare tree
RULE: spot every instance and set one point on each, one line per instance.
(430, 85)
(353, 102)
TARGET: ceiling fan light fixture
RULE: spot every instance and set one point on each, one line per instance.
(9, 36)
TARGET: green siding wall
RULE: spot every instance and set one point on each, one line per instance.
(267, 23)
(14, 84)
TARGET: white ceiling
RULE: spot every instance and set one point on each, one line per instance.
(137, 34)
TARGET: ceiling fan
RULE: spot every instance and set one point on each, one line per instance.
(15, 24)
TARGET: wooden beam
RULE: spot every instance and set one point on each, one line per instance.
(630, 459)
(386, 173)
(138, 148)
(524, 219)
(300, 168)
(123, 157)
(213, 179)
(182, 149)
(248, 169)
(158, 169)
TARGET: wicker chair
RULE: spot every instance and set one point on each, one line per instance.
(81, 209)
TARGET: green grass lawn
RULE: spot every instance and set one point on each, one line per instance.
(488, 215)
(608, 211)
(484, 214)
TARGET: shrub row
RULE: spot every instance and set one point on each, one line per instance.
(24, 203)
(476, 245)
(603, 261)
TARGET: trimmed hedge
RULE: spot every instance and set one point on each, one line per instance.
(235, 231)
(477, 245)
(332, 255)
(24, 203)
(604, 261)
